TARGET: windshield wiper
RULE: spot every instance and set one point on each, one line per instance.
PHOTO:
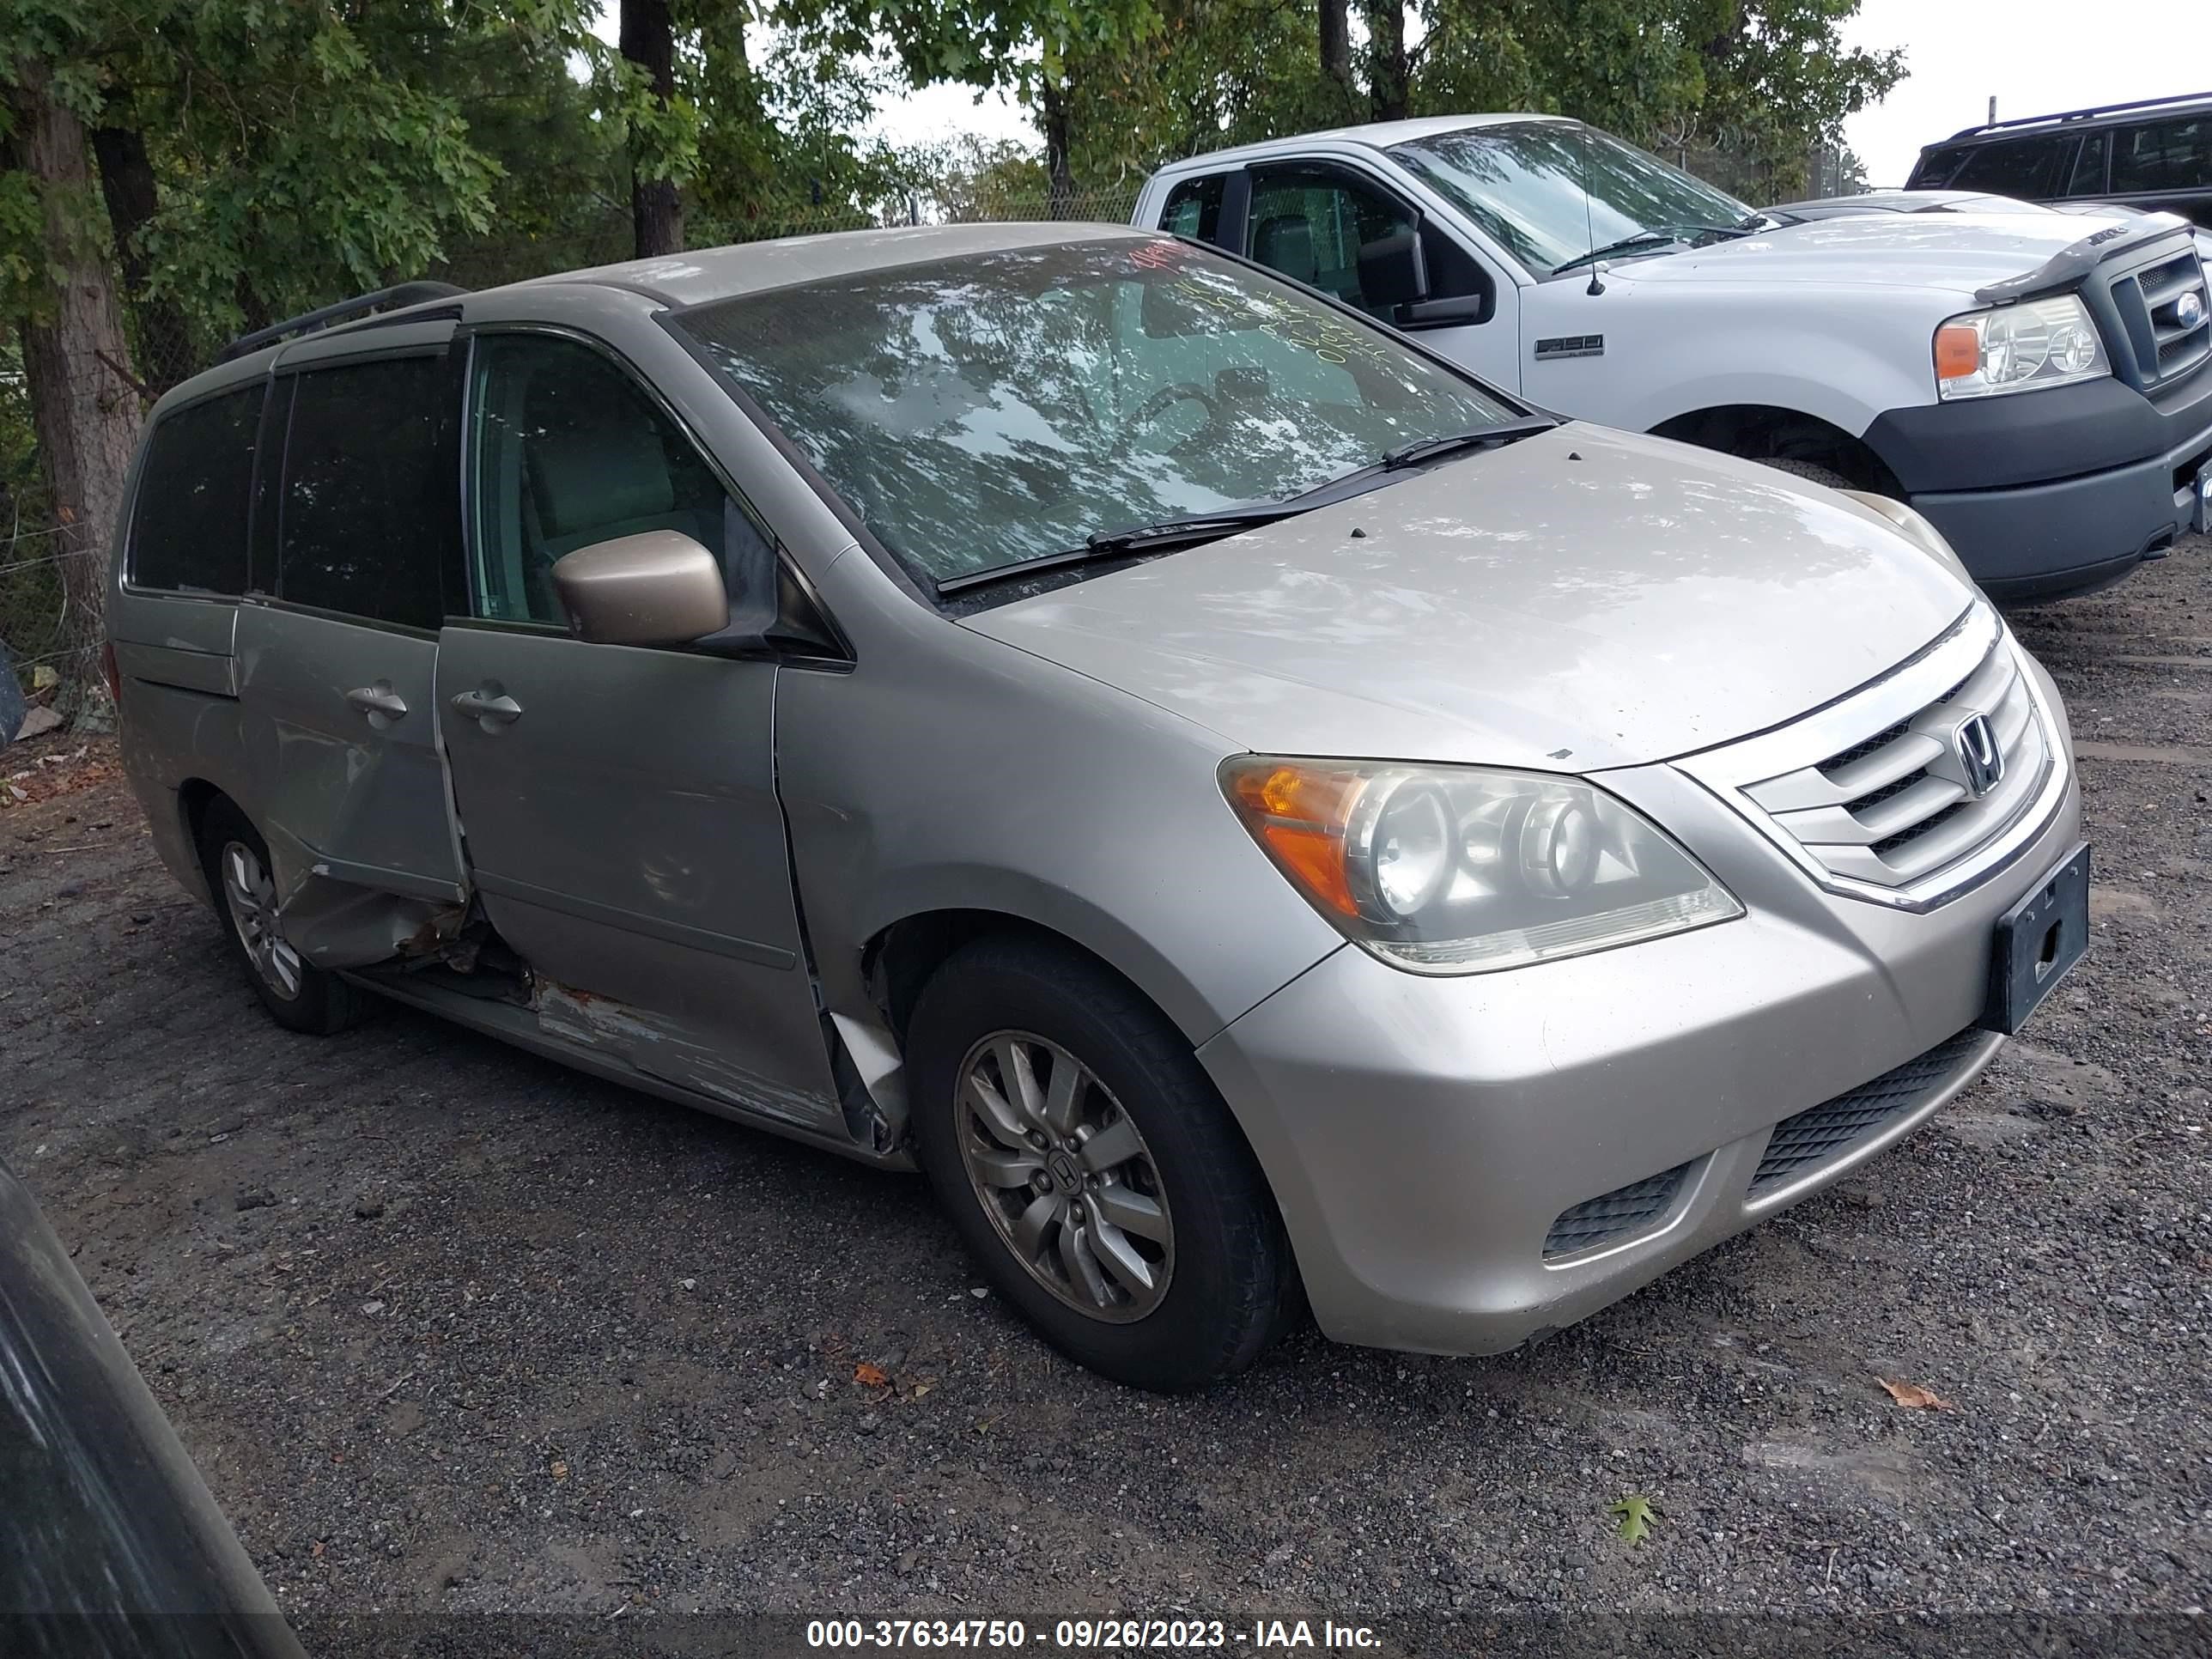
(1160, 536)
(1656, 234)
(1429, 449)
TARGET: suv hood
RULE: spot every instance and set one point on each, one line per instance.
(1954, 252)
(1581, 599)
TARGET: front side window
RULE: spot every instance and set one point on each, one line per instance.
(2165, 155)
(567, 450)
(2019, 167)
(1551, 192)
(1310, 227)
(188, 531)
(981, 411)
(370, 508)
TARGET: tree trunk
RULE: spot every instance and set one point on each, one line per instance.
(1052, 107)
(165, 353)
(1386, 59)
(648, 39)
(1336, 50)
(84, 408)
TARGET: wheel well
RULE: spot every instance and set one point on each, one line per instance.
(899, 960)
(193, 797)
(1758, 431)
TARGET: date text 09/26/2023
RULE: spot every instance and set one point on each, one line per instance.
(1091, 1635)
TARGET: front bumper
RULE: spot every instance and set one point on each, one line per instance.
(1424, 1136)
(2045, 494)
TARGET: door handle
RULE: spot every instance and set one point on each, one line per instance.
(489, 709)
(378, 699)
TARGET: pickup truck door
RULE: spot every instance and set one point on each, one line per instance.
(619, 803)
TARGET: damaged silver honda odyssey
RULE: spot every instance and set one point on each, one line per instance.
(1260, 818)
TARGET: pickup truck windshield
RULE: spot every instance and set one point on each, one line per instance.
(1523, 181)
(1002, 406)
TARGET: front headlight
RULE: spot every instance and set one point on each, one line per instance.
(1464, 870)
(2019, 348)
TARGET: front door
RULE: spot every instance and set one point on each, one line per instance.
(336, 668)
(619, 803)
(1309, 220)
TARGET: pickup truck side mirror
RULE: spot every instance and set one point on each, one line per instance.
(1393, 271)
(658, 587)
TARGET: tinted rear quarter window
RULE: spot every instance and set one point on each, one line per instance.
(188, 529)
(2017, 167)
(2165, 155)
(371, 507)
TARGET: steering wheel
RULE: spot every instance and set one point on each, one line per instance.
(1166, 398)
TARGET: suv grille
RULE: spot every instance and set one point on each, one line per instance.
(1821, 1134)
(2149, 303)
(1900, 805)
(1617, 1214)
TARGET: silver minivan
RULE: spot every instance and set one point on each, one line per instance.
(1262, 819)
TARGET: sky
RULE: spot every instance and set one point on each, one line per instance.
(2035, 56)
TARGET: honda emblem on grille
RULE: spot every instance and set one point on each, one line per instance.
(1975, 743)
(2189, 310)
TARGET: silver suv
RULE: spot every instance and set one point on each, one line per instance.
(1258, 815)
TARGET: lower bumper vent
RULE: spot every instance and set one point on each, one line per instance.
(1820, 1134)
(1617, 1214)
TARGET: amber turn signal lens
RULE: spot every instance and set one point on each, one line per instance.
(1957, 351)
(1298, 814)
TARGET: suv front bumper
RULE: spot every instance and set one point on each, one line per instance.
(1435, 1144)
(2045, 494)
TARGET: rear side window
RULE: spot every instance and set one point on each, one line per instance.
(1935, 169)
(370, 521)
(1195, 209)
(188, 529)
(2165, 155)
(2088, 178)
(2019, 167)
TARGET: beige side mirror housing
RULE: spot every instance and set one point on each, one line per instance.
(658, 587)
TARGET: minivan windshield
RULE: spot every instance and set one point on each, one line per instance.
(1523, 182)
(983, 410)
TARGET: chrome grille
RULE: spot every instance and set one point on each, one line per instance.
(2150, 301)
(1620, 1213)
(1820, 1134)
(1876, 792)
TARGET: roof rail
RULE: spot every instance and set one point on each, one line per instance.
(401, 294)
(2082, 114)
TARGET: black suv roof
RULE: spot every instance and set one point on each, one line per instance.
(2095, 116)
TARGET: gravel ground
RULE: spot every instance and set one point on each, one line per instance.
(451, 1329)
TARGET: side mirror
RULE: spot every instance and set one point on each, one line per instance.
(658, 587)
(1393, 271)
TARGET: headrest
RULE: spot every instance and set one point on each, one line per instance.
(608, 473)
(1284, 242)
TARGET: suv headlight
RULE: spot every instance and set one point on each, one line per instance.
(1465, 869)
(2019, 348)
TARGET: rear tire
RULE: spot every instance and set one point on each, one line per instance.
(1154, 1253)
(297, 994)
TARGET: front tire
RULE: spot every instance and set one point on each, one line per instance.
(1092, 1169)
(1812, 470)
(297, 994)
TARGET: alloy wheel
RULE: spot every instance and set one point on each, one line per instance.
(1065, 1176)
(252, 896)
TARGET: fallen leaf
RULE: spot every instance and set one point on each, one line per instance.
(318, 1550)
(870, 1377)
(920, 1388)
(1635, 1512)
(560, 1470)
(1913, 1397)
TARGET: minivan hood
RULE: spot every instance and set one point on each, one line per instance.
(1581, 599)
(1954, 252)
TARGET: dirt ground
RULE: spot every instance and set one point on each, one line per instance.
(448, 1328)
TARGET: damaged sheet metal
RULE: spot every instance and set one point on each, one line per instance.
(338, 924)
